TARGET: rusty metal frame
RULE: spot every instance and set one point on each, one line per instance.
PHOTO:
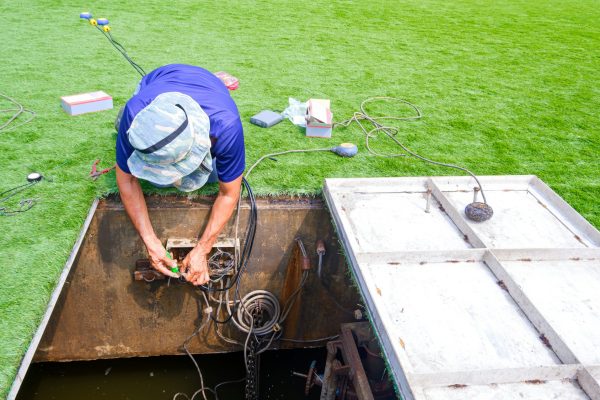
(37, 337)
(352, 369)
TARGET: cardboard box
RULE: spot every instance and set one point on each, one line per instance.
(86, 102)
(319, 119)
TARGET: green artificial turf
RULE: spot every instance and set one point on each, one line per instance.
(505, 88)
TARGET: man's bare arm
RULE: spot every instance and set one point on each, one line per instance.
(222, 210)
(135, 205)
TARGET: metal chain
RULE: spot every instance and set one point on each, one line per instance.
(252, 373)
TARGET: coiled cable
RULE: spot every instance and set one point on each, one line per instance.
(260, 304)
(392, 132)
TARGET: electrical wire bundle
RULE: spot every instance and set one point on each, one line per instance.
(204, 321)
(261, 317)
(242, 264)
(24, 204)
(258, 314)
(121, 49)
(476, 211)
(102, 25)
(220, 265)
(221, 285)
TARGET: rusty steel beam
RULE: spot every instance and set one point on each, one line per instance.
(357, 373)
(345, 377)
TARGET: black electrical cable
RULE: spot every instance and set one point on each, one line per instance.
(121, 49)
(25, 204)
(17, 112)
(248, 243)
(216, 388)
(244, 257)
(16, 190)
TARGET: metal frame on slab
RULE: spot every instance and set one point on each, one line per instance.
(33, 345)
(492, 307)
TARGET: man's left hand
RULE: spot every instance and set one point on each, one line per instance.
(196, 265)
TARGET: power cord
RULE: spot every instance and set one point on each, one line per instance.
(362, 115)
(203, 322)
(24, 204)
(121, 49)
(392, 132)
(16, 114)
(475, 211)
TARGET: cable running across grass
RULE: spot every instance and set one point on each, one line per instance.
(17, 112)
(378, 125)
(475, 211)
(121, 49)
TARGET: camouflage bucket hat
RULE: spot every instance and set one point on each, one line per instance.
(171, 141)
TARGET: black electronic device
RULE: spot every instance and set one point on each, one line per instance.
(266, 119)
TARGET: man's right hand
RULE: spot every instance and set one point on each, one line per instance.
(159, 259)
(135, 205)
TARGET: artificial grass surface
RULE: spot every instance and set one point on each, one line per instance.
(505, 88)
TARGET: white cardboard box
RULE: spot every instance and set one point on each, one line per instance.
(319, 119)
(86, 102)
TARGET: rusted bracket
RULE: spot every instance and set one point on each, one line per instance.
(341, 370)
(357, 373)
(310, 379)
(304, 255)
(145, 272)
(179, 248)
(338, 375)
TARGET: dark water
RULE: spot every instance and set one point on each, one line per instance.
(162, 377)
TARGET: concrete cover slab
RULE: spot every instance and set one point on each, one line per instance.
(507, 308)
(554, 390)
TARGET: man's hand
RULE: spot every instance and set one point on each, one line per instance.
(135, 205)
(159, 259)
(196, 260)
(196, 265)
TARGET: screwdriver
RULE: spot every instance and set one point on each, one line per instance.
(175, 268)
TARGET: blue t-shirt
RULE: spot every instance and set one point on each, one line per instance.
(211, 94)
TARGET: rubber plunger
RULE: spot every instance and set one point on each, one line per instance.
(478, 211)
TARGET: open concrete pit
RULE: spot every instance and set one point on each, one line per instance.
(105, 320)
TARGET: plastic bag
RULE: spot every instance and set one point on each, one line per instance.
(296, 112)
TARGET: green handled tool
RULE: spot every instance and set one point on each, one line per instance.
(174, 269)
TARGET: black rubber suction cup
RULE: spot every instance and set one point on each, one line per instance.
(34, 177)
(478, 211)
